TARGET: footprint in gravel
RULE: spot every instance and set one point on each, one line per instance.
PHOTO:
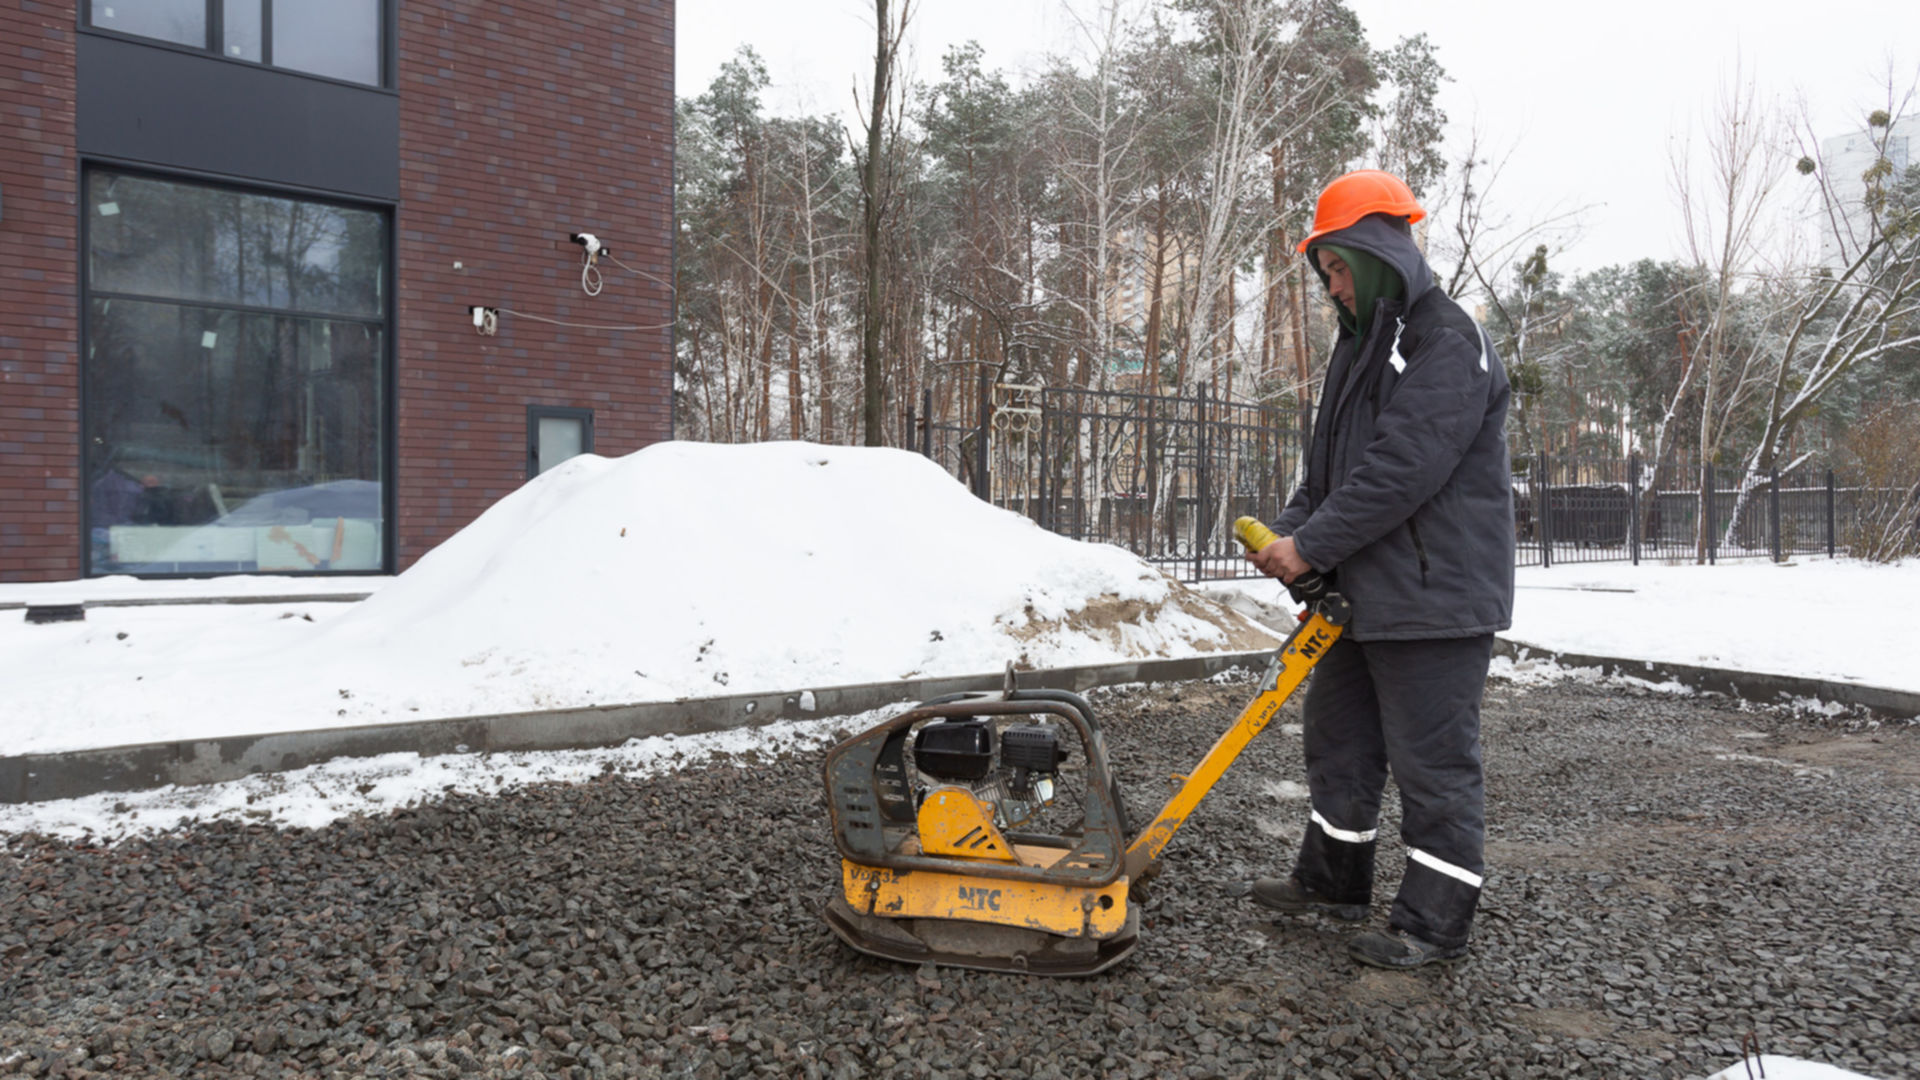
(1285, 789)
(1275, 829)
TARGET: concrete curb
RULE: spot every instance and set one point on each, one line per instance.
(1748, 685)
(63, 775)
(189, 601)
(69, 774)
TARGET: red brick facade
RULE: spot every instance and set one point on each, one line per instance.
(39, 295)
(519, 124)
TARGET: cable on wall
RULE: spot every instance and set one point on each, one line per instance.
(590, 251)
(486, 320)
(639, 273)
(578, 326)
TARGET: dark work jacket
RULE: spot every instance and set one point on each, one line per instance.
(1407, 490)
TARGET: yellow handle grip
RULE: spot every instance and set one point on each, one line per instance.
(1252, 534)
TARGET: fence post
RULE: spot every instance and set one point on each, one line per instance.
(926, 423)
(982, 483)
(1045, 517)
(906, 433)
(1633, 507)
(1543, 522)
(1070, 446)
(1202, 488)
(1152, 406)
(1773, 515)
(1708, 519)
(1832, 541)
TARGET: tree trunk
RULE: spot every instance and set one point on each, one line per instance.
(871, 397)
(1302, 360)
(793, 369)
(1157, 286)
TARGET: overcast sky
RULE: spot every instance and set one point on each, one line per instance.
(1586, 98)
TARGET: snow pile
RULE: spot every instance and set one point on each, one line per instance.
(684, 570)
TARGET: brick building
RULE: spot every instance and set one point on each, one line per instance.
(240, 245)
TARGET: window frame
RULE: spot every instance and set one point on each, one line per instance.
(389, 380)
(536, 413)
(214, 45)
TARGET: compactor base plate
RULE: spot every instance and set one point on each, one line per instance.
(981, 946)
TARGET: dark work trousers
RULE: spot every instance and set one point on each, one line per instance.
(1414, 707)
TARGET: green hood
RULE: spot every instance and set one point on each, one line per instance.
(1374, 280)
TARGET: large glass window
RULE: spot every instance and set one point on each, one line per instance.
(341, 39)
(235, 372)
(183, 22)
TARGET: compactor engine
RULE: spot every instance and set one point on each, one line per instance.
(1015, 771)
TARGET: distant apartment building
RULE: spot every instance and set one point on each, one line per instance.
(241, 245)
(1845, 160)
(1133, 256)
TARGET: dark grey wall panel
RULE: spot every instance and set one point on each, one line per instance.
(170, 107)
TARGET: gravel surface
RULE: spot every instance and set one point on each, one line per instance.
(1666, 875)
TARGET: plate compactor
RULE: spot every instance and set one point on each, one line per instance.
(941, 815)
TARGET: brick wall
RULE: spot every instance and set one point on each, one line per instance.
(39, 377)
(520, 123)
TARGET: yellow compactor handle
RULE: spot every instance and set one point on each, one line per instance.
(1252, 533)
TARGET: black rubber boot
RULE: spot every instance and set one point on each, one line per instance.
(1287, 894)
(1400, 950)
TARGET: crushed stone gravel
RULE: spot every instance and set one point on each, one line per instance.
(1665, 875)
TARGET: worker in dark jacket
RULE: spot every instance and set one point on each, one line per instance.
(1409, 506)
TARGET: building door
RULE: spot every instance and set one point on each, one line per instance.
(555, 434)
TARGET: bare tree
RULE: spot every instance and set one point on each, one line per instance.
(1483, 239)
(1864, 310)
(1806, 326)
(888, 32)
(1723, 204)
(1253, 109)
(1502, 259)
(1096, 156)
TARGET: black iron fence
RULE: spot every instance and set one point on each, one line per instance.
(1164, 477)
(1584, 510)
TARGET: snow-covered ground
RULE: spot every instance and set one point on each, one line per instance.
(121, 587)
(1775, 1067)
(1841, 620)
(684, 570)
(1818, 618)
(319, 794)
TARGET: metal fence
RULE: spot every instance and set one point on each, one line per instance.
(1585, 510)
(1164, 477)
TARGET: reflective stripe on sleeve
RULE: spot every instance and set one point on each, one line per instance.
(1344, 835)
(1444, 867)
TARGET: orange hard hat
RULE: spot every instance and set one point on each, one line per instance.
(1357, 194)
